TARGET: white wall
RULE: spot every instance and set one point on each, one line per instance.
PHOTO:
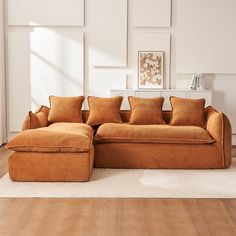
(42, 62)
(113, 33)
(46, 13)
(206, 36)
(2, 78)
(217, 39)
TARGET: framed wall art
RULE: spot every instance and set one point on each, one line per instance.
(150, 69)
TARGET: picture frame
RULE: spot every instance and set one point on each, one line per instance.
(150, 69)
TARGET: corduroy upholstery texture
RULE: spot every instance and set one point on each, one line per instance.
(146, 110)
(104, 110)
(65, 109)
(219, 127)
(177, 156)
(35, 120)
(188, 111)
(64, 151)
(151, 156)
(39, 166)
(126, 133)
(58, 137)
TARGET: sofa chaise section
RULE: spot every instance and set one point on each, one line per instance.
(59, 152)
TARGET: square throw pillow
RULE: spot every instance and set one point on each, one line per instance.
(104, 110)
(65, 109)
(187, 111)
(36, 120)
(146, 111)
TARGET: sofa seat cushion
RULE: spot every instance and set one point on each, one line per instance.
(126, 133)
(58, 137)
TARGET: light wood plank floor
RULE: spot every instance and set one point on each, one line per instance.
(108, 217)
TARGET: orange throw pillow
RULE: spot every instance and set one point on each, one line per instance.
(65, 109)
(104, 110)
(36, 120)
(146, 111)
(187, 111)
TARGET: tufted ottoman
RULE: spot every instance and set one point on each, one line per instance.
(59, 152)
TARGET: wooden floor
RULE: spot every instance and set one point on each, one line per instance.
(108, 217)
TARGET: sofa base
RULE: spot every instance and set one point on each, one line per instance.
(50, 167)
(153, 156)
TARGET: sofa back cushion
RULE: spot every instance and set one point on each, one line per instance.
(104, 110)
(125, 116)
(187, 112)
(65, 109)
(146, 111)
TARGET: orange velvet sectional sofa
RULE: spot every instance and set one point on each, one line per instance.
(68, 151)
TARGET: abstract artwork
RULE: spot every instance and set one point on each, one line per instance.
(150, 69)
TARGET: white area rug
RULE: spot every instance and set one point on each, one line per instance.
(122, 183)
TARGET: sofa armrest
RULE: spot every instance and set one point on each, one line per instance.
(37, 119)
(219, 127)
